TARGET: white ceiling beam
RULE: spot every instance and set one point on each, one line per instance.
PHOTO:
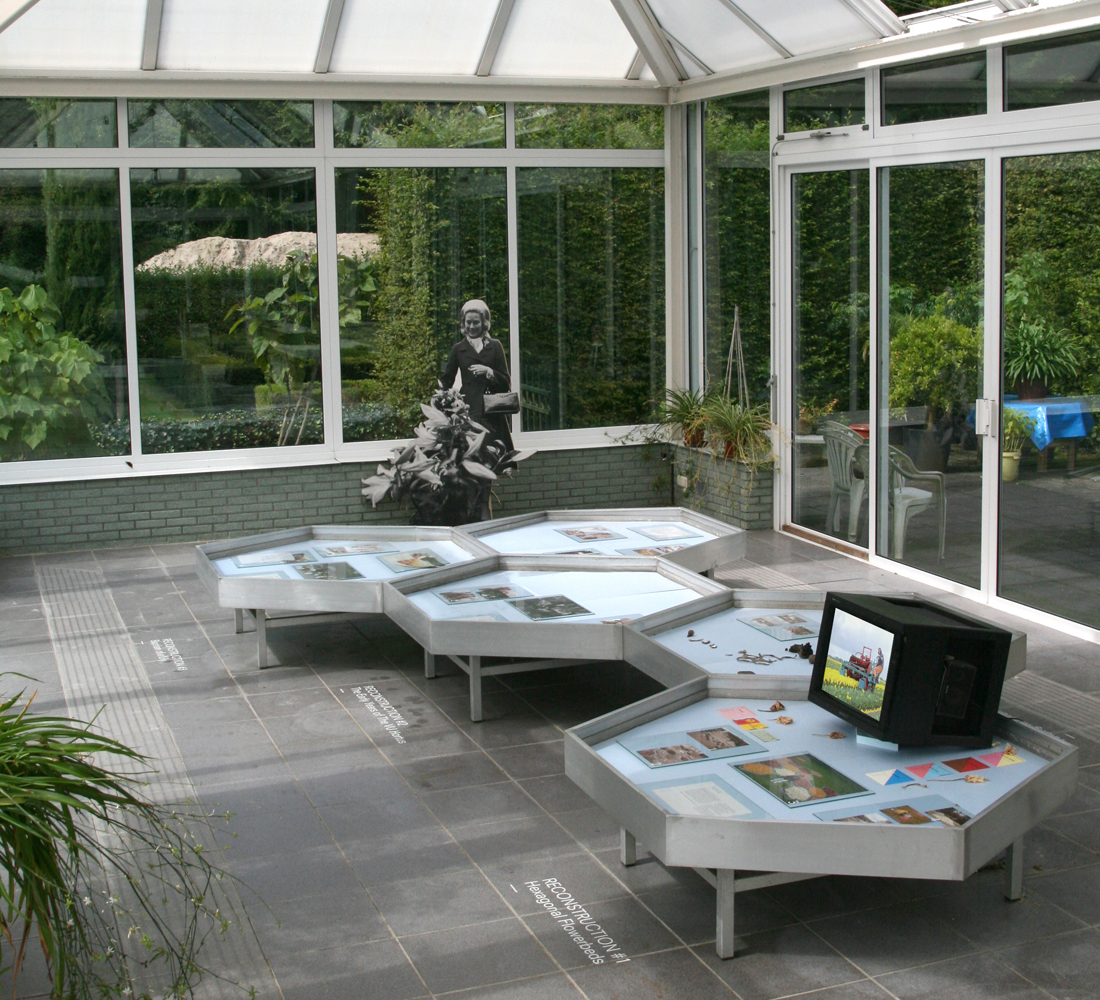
(650, 39)
(876, 14)
(154, 11)
(677, 44)
(759, 30)
(496, 33)
(328, 36)
(1007, 5)
(12, 10)
(636, 67)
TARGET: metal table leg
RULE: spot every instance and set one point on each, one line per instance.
(238, 620)
(261, 636)
(723, 928)
(1014, 870)
(429, 665)
(475, 688)
(628, 847)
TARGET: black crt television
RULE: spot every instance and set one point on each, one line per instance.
(907, 671)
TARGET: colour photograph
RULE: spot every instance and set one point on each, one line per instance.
(501, 593)
(652, 550)
(540, 609)
(667, 532)
(272, 557)
(579, 552)
(784, 627)
(329, 571)
(663, 756)
(718, 739)
(353, 549)
(857, 663)
(872, 817)
(458, 596)
(799, 779)
(406, 562)
(590, 533)
(950, 816)
(906, 815)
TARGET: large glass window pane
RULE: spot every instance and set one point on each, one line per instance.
(590, 126)
(226, 291)
(931, 261)
(831, 343)
(927, 91)
(413, 245)
(738, 237)
(1050, 490)
(591, 295)
(1062, 71)
(827, 105)
(57, 123)
(172, 124)
(435, 124)
(62, 337)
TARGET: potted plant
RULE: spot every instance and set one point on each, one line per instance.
(1018, 427)
(736, 432)
(447, 473)
(683, 414)
(1036, 354)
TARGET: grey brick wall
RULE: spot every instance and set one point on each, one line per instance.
(96, 513)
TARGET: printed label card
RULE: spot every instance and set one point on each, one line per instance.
(273, 557)
(667, 532)
(590, 533)
(353, 549)
(703, 795)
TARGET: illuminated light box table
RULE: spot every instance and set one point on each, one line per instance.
(537, 612)
(691, 540)
(724, 642)
(760, 810)
(318, 573)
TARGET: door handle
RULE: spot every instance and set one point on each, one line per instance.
(984, 424)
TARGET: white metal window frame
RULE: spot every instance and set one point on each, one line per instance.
(992, 137)
(323, 158)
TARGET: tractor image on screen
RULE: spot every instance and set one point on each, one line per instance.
(858, 667)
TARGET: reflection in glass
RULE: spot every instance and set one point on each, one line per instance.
(226, 291)
(62, 337)
(927, 91)
(828, 105)
(413, 244)
(1059, 71)
(931, 260)
(57, 123)
(1050, 489)
(591, 295)
(590, 126)
(831, 339)
(738, 236)
(426, 124)
(172, 124)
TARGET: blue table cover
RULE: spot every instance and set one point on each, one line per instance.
(1056, 418)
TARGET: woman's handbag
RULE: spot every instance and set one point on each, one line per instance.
(500, 403)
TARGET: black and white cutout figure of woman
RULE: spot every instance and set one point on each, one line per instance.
(484, 369)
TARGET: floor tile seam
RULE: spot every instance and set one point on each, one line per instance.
(457, 994)
(920, 898)
(1076, 843)
(823, 990)
(828, 944)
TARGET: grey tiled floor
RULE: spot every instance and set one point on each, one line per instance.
(396, 871)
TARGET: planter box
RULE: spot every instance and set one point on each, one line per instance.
(724, 489)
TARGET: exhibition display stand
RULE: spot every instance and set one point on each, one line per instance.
(536, 612)
(684, 537)
(743, 790)
(320, 573)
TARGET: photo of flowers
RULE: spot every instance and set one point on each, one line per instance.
(799, 779)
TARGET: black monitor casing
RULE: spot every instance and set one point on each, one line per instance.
(946, 671)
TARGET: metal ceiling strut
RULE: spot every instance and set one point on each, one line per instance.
(154, 11)
(12, 10)
(650, 39)
(328, 36)
(496, 33)
(636, 67)
(877, 15)
(761, 32)
(1007, 5)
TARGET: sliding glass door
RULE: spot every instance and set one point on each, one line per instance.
(931, 245)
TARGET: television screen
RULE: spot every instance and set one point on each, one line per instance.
(857, 663)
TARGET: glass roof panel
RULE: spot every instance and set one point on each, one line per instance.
(414, 36)
(76, 34)
(240, 36)
(804, 26)
(712, 33)
(582, 39)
